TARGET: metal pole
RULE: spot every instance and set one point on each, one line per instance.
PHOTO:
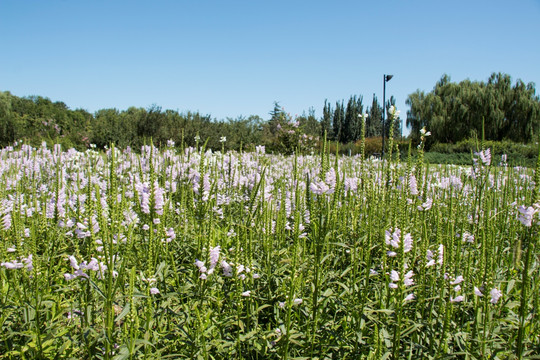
(383, 112)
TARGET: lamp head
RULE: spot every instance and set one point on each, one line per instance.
(388, 77)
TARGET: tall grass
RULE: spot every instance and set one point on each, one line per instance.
(185, 253)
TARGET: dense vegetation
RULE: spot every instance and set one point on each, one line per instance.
(191, 254)
(455, 113)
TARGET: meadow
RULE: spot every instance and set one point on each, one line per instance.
(187, 253)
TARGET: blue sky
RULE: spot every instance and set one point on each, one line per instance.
(232, 58)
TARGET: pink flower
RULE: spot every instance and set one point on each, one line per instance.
(408, 297)
(477, 292)
(154, 291)
(526, 215)
(495, 295)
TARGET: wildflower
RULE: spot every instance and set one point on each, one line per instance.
(392, 238)
(227, 269)
(223, 139)
(394, 275)
(413, 187)
(319, 187)
(214, 256)
(429, 256)
(407, 243)
(467, 238)
(11, 249)
(459, 298)
(246, 293)
(407, 278)
(526, 215)
(440, 258)
(495, 295)
(426, 206)
(485, 156)
(297, 301)
(423, 132)
(154, 291)
(408, 297)
(170, 234)
(281, 304)
(12, 265)
(477, 292)
(201, 266)
(28, 262)
(458, 280)
(73, 262)
(239, 269)
(6, 221)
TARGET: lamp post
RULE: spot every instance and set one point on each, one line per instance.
(386, 78)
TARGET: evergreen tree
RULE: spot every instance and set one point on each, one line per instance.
(352, 119)
(339, 122)
(326, 122)
(374, 121)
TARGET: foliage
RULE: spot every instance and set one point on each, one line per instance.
(287, 136)
(454, 112)
(217, 255)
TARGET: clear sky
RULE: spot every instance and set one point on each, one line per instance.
(232, 58)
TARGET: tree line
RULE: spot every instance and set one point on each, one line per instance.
(456, 111)
(451, 111)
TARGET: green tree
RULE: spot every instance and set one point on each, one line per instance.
(327, 120)
(338, 124)
(374, 120)
(456, 111)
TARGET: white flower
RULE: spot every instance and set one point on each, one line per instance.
(154, 291)
(423, 132)
(526, 215)
(227, 269)
(459, 298)
(246, 293)
(495, 295)
(477, 292)
(407, 243)
(223, 139)
(394, 275)
(408, 297)
(407, 278)
(297, 301)
(458, 280)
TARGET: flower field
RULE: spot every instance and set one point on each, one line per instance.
(184, 253)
